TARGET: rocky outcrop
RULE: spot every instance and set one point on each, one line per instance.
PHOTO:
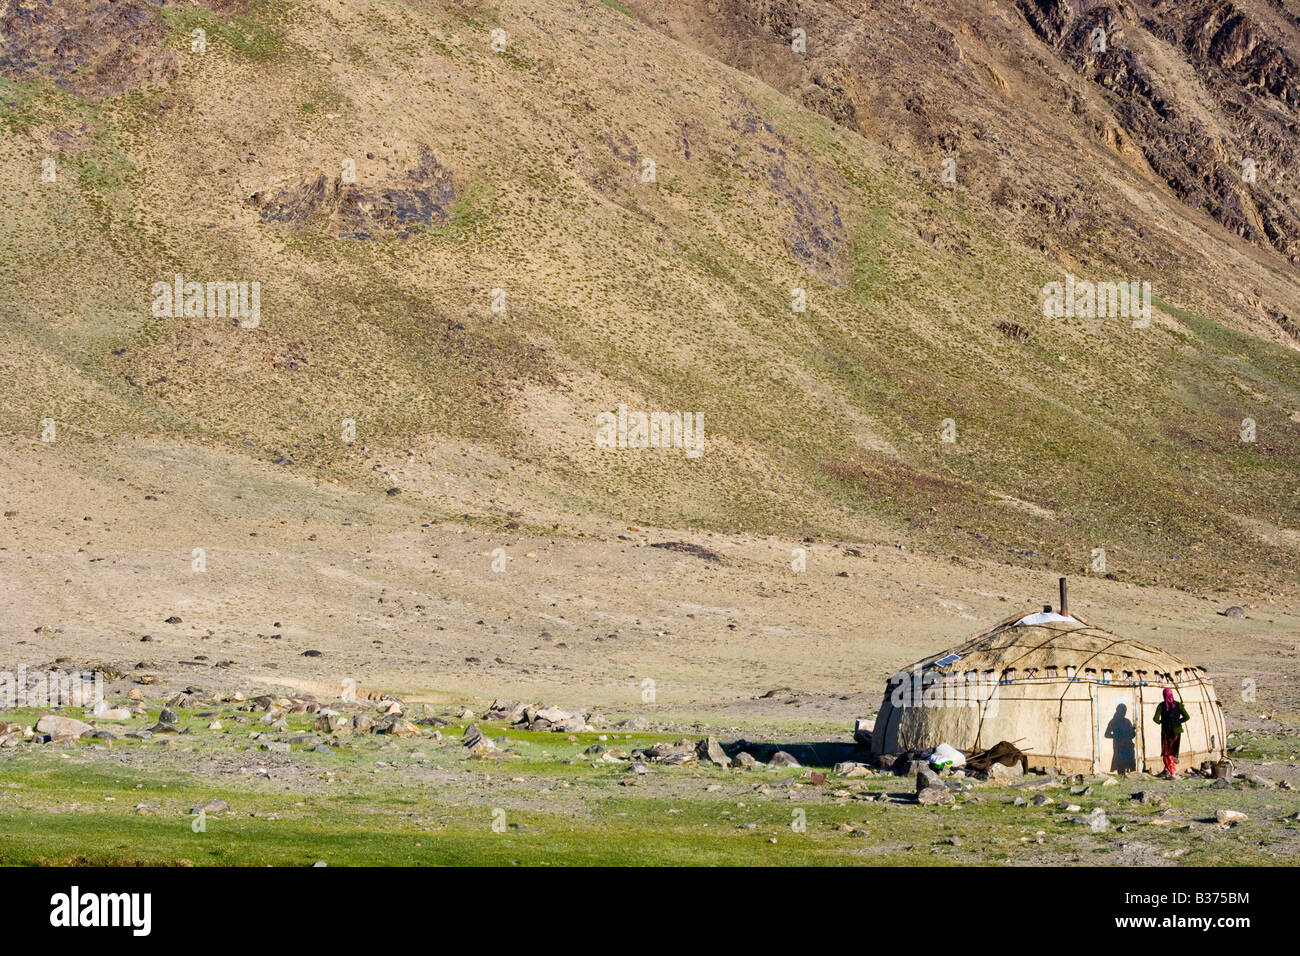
(1228, 163)
(1189, 91)
(325, 206)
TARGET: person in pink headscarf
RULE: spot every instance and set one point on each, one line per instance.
(1170, 715)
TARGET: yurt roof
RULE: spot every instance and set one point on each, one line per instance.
(1044, 639)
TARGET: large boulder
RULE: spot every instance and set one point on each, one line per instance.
(1095, 820)
(709, 749)
(1150, 798)
(927, 779)
(476, 742)
(501, 709)
(57, 726)
(402, 728)
(663, 752)
(850, 768)
(932, 796)
(362, 723)
(1001, 773)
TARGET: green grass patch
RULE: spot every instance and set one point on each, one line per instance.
(242, 34)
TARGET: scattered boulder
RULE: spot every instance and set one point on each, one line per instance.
(782, 759)
(927, 779)
(1234, 610)
(362, 723)
(102, 711)
(679, 753)
(745, 760)
(57, 726)
(1230, 817)
(333, 724)
(552, 718)
(402, 728)
(475, 742)
(1095, 820)
(931, 796)
(1000, 773)
(709, 749)
(1261, 783)
(849, 768)
(906, 766)
(509, 710)
(1149, 798)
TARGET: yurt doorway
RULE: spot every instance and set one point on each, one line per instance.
(1118, 720)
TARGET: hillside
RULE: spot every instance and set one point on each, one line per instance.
(524, 171)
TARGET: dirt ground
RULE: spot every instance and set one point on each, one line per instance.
(398, 594)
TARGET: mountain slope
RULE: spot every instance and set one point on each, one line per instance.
(524, 170)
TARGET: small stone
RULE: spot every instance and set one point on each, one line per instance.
(782, 759)
(1231, 817)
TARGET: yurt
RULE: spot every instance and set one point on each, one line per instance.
(1072, 697)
